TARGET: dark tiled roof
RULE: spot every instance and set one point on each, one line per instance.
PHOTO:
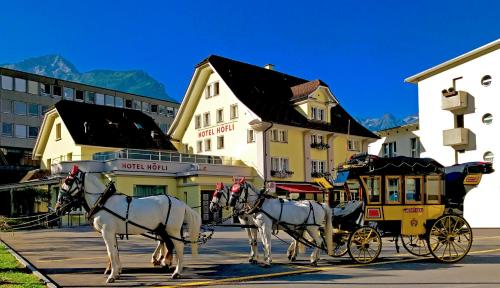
(268, 93)
(106, 126)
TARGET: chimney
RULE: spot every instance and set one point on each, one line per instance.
(269, 66)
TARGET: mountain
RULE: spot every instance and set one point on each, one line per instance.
(134, 81)
(387, 121)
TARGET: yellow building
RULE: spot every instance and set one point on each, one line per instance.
(288, 129)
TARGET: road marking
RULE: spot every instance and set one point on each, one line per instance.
(304, 271)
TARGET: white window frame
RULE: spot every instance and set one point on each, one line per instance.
(280, 164)
(353, 145)
(197, 121)
(250, 136)
(199, 146)
(219, 115)
(220, 142)
(233, 111)
(389, 149)
(206, 119)
(208, 144)
(415, 147)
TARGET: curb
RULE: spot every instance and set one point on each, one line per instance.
(28, 265)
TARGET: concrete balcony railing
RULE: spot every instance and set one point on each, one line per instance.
(454, 101)
(458, 138)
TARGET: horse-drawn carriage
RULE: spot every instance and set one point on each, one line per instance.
(415, 200)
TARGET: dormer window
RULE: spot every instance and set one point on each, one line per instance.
(317, 114)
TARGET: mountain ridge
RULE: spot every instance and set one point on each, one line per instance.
(131, 81)
(387, 121)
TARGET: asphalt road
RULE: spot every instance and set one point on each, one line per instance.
(77, 257)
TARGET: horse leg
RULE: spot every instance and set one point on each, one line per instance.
(292, 251)
(168, 255)
(110, 241)
(313, 231)
(179, 250)
(157, 254)
(118, 257)
(266, 234)
(253, 244)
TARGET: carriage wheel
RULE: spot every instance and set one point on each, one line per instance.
(416, 244)
(450, 238)
(364, 245)
(340, 241)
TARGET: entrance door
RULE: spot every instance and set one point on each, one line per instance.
(206, 215)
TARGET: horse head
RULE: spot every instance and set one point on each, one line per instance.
(217, 196)
(237, 189)
(71, 192)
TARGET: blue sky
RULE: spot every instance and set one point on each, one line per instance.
(362, 49)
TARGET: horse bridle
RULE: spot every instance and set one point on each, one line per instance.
(219, 192)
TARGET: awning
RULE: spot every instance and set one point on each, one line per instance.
(323, 183)
(300, 188)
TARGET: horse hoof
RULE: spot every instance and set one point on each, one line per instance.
(266, 265)
(176, 276)
(292, 259)
(252, 261)
(314, 264)
(110, 280)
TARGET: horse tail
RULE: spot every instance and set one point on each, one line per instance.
(193, 220)
(328, 228)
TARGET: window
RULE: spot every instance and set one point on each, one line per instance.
(413, 189)
(488, 156)
(186, 148)
(32, 132)
(19, 108)
(69, 157)
(220, 142)
(119, 102)
(433, 187)
(459, 121)
(314, 112)
(56, 90)
(154, 108)
(79, 96)
(250, 136)
(44, 89)
(44, 109)
(208, 144)
(317, 139)
(20, 84)
(486, 80)
(170, 112)
(389, 149)
(99, 99)
(7, 129)
(34, 110)
(161, 109)
(415, 147)
(136, 104)
(279, 164)
(109, 100)
(219, 115)
(393, 190)
(146, 107)
(317, 114)
(199, 147)
(33, 87)
(318, 166)
(234, 111)
(89, 97)
(212, 90)
(20, 131)
(58, 131)
(6, 106)
(197, 121)
(69, 93)
(7, 83)
(372, 188)
(206, 119)
(353, 145)
(321, 115)
(149, 190)
(487, 119)
(279, 135)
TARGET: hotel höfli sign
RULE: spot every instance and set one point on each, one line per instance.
(221, 129)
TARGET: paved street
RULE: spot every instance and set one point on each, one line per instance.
(77, 258)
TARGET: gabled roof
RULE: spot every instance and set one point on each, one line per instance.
(268, 93)
(106, 126)
(305, 89)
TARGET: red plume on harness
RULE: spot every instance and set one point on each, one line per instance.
(218, 187)
(235, 188)
(74, 171)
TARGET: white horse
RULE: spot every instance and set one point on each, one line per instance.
(144, 215)
(291, 215)
(220, 199)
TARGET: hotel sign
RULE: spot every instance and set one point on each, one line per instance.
(217, 130)
(143, 166)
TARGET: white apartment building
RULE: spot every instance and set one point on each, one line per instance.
(458, 101)
(397, 141)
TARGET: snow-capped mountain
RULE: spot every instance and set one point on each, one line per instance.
(387, 121)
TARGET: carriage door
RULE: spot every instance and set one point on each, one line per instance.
(206, 215)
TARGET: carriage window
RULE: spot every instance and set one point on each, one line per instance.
(393, 190)
(433, 188)
(413, 189)
(372, 188)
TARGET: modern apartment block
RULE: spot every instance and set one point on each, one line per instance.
(24, 99)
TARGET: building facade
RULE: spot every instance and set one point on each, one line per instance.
(288, 129)
(26, 97)
(458, 103)
(397, 141)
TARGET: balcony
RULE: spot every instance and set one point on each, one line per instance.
(320, 174)
(158, 156)
(454, 101)
(457, 138)
(320, 146)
